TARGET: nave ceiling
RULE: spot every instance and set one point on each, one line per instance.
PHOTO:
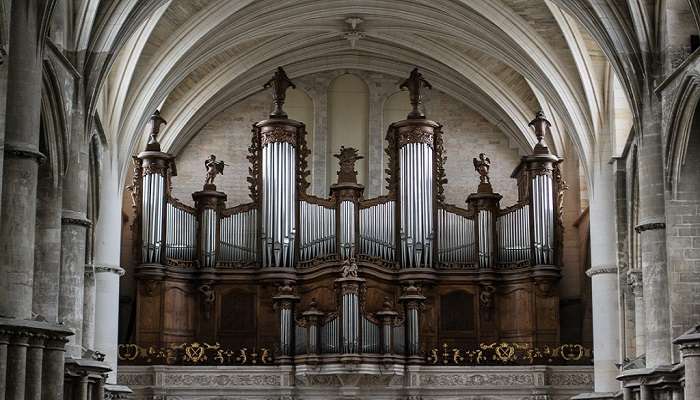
(505, 59)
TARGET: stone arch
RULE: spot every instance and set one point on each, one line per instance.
(678, 133)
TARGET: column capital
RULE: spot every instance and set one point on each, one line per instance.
(115, 269)
(649, 226)
(689, 342)
(601, 269)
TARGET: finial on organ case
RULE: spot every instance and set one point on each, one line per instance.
(156, 122)
(279, 83)
(541, 126)
(414, 84)
(347, 157)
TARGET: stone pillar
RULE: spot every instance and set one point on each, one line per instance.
(35, 360)
(652, 230)
(689, 344)
(375, 156)
(89, 293)
(634, 278)
(47, 252)
(16, 367)
(604, 279)
(73, 237)
(320, 142)
(106, 264)
(52, 370)
(21, 156)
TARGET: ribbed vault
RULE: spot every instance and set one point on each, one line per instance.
(503, 58)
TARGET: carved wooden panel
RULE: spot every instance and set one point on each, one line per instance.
(179, 304)
(515, 314)
(458, 315)
(238, 318)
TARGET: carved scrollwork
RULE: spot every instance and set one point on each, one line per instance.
(277, 135)
(416, 135)
(254, 158)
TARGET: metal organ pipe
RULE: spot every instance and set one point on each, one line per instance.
(377, 230)
(416, 197)
(543, 218)
(279, 198)
(152, 210)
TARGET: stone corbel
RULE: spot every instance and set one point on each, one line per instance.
(601, 269)
(635, 280)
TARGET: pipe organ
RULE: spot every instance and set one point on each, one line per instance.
(347, 278)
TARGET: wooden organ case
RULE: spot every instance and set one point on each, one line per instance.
(347, 278)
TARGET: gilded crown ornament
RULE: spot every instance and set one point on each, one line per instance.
(279, 84)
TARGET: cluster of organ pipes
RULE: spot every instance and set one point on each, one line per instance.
(317, 236)
(377, 237)
(410, 227)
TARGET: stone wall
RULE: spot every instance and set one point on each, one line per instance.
(466, 134)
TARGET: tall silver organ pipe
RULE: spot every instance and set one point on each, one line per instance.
(456, 240)
(350, 325)
(152, 213)
(377, 230)
(347, 229)
(278, 204)
(370, 336)
(416, 199)
(180, 232)
(513, 229)
(485, 229)
(330, 336)
(238, 241)
(543, 219)
(317, 231)
(398, 342)
(208, 231)
(300, 339)
(286, 326)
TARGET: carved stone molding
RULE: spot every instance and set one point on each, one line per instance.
(490, 379)
(220, 380)
(76, 221)
(115, 269)
(602, 269)
(12, 151)
(649, 226)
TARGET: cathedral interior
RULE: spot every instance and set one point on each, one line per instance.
(350, 199)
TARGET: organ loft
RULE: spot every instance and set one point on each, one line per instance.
(348, 281)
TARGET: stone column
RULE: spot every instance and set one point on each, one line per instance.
(21, 156)
(106, 264)
(320, 142)
(634, 278)
(47, 252)
(604, 279)
(89, 293)
(689, 344)
(52, 370)
(16, 367)
(35, 360)
(73, 236)
(375, 157)
(652, 230)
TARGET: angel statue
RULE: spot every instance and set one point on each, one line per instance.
(482, 165)
(213, 168)
(349, 268)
